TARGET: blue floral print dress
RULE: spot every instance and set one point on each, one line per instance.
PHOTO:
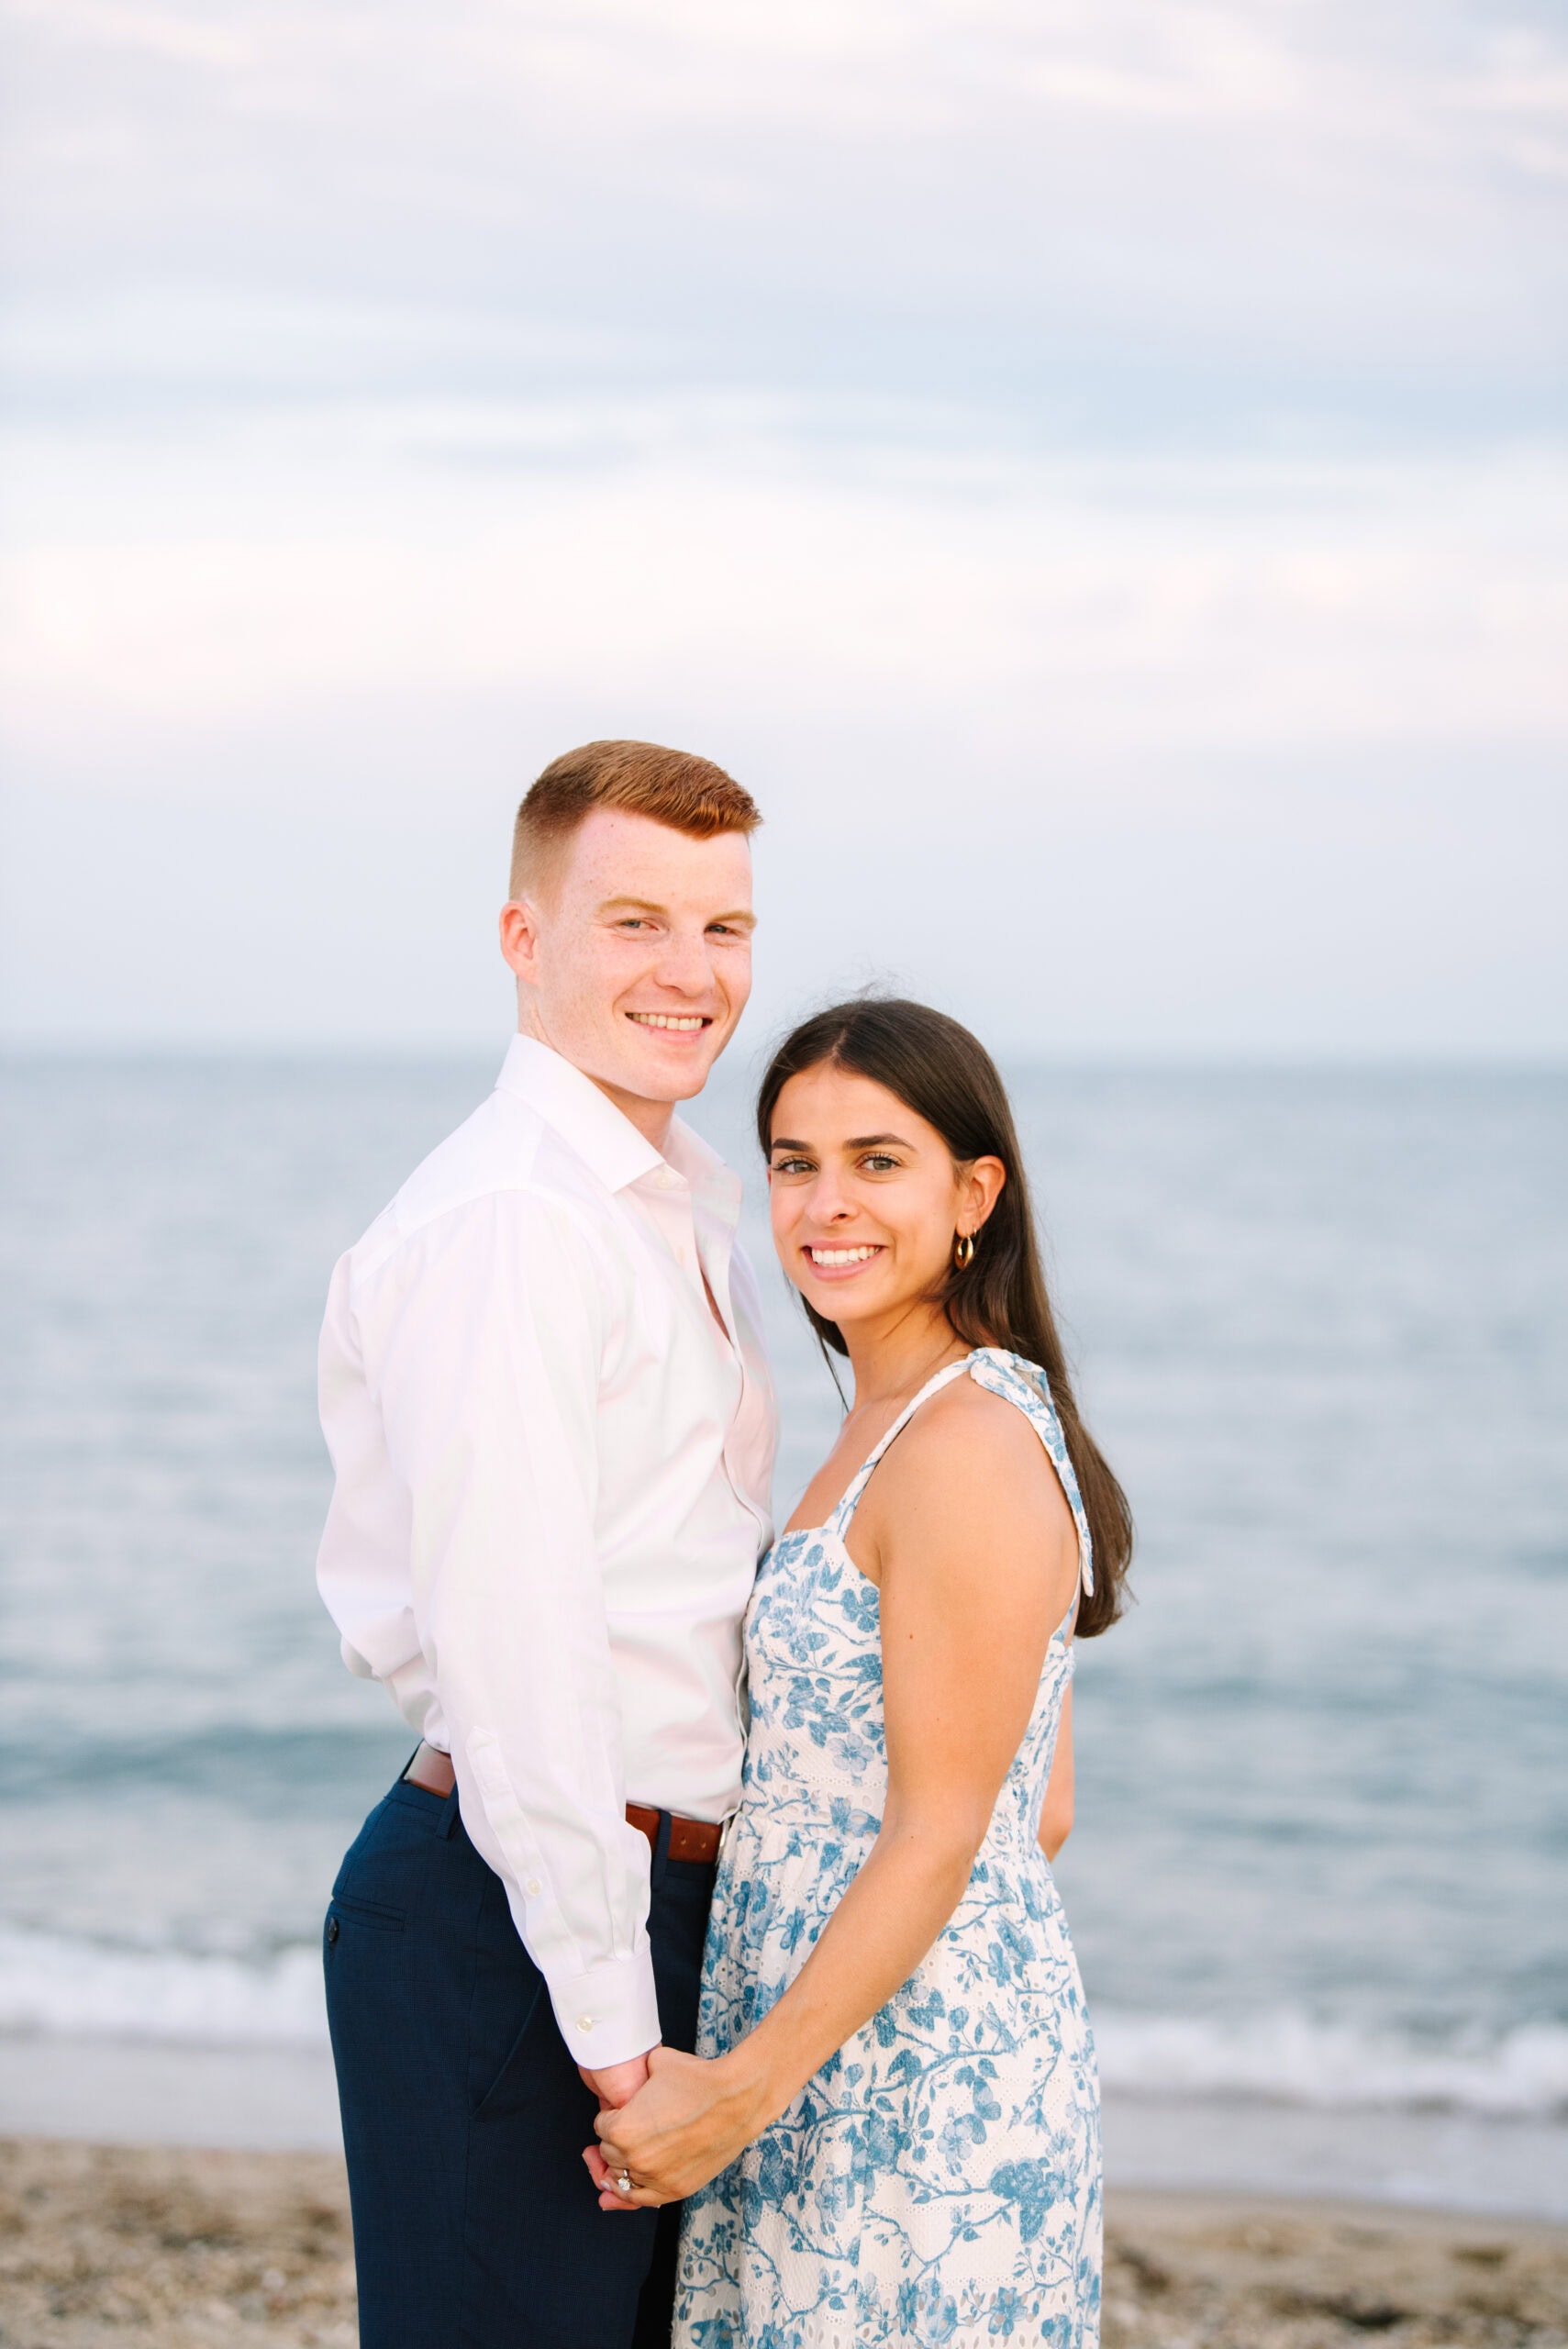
(938, 2180)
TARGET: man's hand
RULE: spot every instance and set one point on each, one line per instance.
(617, 2083)
(615, 2086)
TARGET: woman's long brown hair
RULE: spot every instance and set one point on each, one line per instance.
(944, 1075)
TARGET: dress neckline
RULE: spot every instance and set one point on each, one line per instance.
(849, 1499)
(1002, 1374)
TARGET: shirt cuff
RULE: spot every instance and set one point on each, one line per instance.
(609, 2014)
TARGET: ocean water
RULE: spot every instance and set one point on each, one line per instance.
(1321, 1327)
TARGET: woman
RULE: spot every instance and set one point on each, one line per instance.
(892, 2130)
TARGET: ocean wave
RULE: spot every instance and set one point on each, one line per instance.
(80, 1990)
(1294, 2058)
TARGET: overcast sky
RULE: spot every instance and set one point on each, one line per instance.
(1099, 473)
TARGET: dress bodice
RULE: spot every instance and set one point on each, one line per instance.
(814, 1642)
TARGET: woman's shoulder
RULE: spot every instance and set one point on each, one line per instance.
(973, 1439)
(974, 1408)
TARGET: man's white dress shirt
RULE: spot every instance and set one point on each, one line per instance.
(553, 1480)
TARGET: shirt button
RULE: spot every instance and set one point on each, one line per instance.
(533, 1883)
(585, 2023)
(332, 1931)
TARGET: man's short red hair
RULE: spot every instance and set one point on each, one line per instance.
(690, 794)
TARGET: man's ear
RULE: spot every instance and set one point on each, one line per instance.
(520, 937)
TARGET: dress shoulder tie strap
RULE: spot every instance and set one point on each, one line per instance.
(1025, 1384)
(1015, 1381)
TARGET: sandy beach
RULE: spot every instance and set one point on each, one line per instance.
(178, 2249)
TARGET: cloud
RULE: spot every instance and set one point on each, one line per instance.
(1057, 215)
(1127, 436)
(434, 552)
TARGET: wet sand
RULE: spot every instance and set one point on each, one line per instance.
(1212, 2271)
(167, 2248)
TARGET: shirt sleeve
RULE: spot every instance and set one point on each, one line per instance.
(363, 1566)
(482, 1353)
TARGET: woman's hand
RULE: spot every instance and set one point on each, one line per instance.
(686, 2125)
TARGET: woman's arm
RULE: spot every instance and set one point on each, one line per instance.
(978, 1558)
(1056, 1811)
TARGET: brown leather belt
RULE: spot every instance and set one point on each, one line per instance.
(690, 1839)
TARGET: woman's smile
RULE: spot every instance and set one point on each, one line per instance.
(841, 1260)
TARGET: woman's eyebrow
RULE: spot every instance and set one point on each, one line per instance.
(855, 1142)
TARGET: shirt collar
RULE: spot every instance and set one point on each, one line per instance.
(573, 1104)
(607, 1142)
(714, 1185)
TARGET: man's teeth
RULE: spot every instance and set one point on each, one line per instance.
(841, 1255)
(666, 1020)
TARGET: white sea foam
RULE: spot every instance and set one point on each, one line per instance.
(87, 1991)
(1297, 2059)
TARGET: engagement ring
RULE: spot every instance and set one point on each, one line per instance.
(624, 2182)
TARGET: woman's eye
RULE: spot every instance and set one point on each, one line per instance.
(877, 1161)
(792, 1166)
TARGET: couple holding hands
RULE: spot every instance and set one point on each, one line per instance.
(703, 1979)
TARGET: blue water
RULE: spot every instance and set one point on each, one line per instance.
(1322, 1327)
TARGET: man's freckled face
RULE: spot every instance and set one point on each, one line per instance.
(645, 954)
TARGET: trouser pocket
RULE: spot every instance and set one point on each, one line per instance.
(515, 2050)
(383, 1875)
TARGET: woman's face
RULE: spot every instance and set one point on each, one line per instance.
(865, 1199)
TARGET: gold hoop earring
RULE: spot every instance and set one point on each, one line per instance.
(963, 1251)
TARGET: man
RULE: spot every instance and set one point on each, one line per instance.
(544, 1392)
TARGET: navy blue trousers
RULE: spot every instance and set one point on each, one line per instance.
(476, 2225)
